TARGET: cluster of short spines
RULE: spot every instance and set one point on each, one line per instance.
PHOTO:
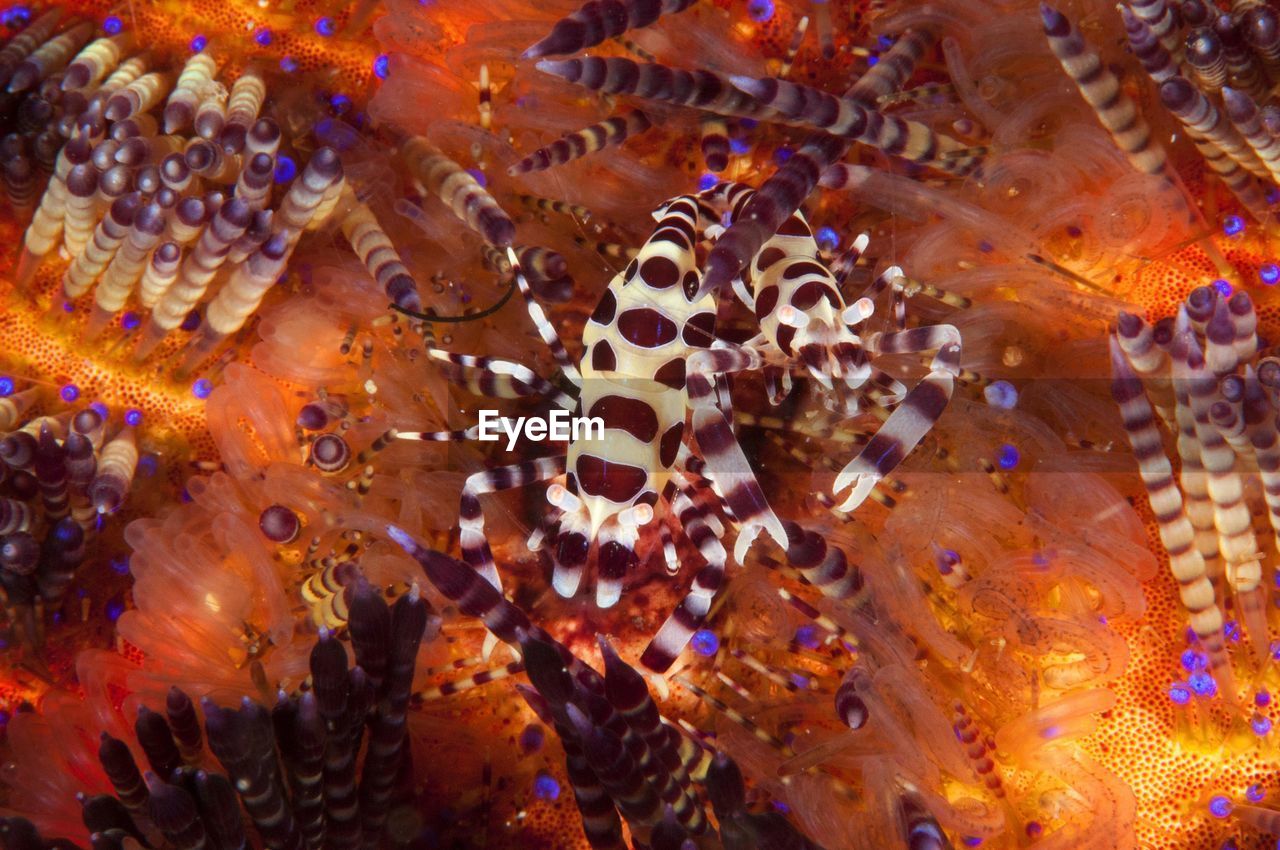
(1222, 147)
(850, 118)
(300, 204)
(1228, 63)
(197, 271)
(773, 100)
(158, 183)
(49, 57)
(1224, 419)
(58, 476)
(140, 95)
(108, 236)
(293, 767)
(1192, 478)
(247, 286)
(324, 592)
(1243, 67)
(623, 759)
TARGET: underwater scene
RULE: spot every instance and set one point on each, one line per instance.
(657, 424)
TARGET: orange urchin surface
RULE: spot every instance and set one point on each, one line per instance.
(1175, 758)
(39, 350)
(238, 32)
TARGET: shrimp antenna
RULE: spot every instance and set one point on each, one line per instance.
(470, 317)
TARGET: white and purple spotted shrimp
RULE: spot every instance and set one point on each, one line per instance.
(805, 325)
(633, 377)
(654, 372)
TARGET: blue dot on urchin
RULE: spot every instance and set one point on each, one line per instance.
(827, 238)
(760, 11)
(546, 787)
(705, 642)
(286, 169)
(1202, 683)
